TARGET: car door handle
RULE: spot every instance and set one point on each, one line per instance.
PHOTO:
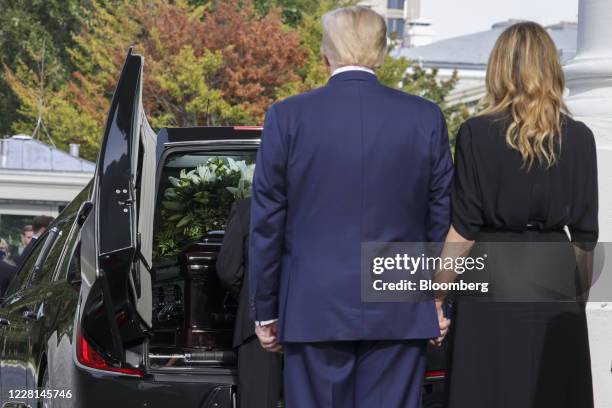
(4, 322)
(29, 315)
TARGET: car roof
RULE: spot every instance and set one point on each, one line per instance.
(207, 133)
(191, 136)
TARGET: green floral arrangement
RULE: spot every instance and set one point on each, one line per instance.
(199, 201)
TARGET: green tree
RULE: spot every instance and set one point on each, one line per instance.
(403, 74)
(204, 65)
(186, 78)
(293, 10)
(40, 93)
(26, 28)
(73, 106)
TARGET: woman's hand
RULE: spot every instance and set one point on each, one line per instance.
(455, 246)
(444, 323)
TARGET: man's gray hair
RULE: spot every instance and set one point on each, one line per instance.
(354, 36)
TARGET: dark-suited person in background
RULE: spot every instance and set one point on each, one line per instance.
(39, 226)
(24, 239)
(351, 162)
(259, 371)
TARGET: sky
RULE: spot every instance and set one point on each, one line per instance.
(451, 18)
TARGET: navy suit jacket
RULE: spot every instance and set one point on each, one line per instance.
(351, 162)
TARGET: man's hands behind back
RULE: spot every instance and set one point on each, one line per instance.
(268, 337)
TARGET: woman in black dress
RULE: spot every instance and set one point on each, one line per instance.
(525, 177)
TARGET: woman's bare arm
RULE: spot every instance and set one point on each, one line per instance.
(455, 246)
(584, 264)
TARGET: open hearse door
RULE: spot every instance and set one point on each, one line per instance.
(116, 239)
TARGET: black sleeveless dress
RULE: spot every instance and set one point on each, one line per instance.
(524, 344)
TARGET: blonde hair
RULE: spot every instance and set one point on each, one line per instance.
(525, 79)
(354, 36)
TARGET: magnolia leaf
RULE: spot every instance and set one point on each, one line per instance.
(170, 193)
(186, 219)
(172, 205)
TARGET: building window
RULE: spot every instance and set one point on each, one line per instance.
(395, 4)
(395, 27)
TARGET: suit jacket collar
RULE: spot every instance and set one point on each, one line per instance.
(352, 76)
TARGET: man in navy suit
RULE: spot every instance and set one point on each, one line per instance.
(351, 162)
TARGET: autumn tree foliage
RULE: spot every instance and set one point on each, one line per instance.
(210, 65)
(261, 55)
(207, 62)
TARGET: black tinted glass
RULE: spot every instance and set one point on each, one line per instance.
(70, 263)
(22, 277)
(45, 274)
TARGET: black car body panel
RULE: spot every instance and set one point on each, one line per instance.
(91, 318)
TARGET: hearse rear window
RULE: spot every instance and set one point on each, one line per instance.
(195, 195)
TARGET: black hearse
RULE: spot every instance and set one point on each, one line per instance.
(95, 317)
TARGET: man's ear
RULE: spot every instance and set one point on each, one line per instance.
(381, 61)
(326, 62)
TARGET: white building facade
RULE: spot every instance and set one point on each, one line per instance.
(36, 179)
(404, 22)
(468, 56)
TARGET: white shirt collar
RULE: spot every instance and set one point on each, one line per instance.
(352, 68)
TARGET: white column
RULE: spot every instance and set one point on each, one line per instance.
(412, 10)
(589, 81)
(589, 74)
